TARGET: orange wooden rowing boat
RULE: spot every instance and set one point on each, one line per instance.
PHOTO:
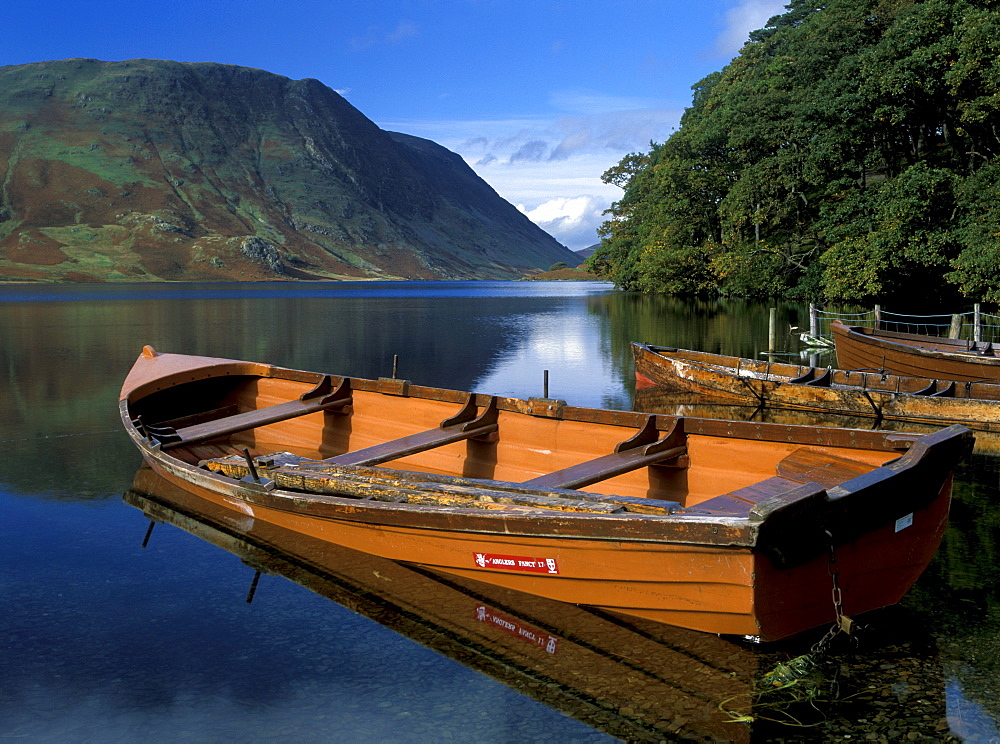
(721, 526)
(914, 354)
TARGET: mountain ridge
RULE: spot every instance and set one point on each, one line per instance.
(159, 170)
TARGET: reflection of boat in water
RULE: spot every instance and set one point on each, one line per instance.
(634, 679)
(671, 402)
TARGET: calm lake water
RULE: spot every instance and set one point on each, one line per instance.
(107, 640)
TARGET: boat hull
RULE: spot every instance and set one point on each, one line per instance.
(729, 591)
(911, 354)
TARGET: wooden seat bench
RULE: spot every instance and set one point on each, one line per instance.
(466, 424)
(645, 448)
(323, 397)
(809, 466)
(797, 469)
(742, 500)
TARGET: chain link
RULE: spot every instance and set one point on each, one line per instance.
(842, 623)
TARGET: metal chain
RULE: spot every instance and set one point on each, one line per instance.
(843, 623)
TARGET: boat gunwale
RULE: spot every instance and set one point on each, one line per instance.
(907, 344)
(543, 407)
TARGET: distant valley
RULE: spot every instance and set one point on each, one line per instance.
(150, 170)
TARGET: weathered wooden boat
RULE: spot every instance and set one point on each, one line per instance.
(914, 354)
(725, 527)
(634, 679)
(857, 392)
(697, 405)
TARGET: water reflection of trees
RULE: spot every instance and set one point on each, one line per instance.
(63, 363)
(960, 592)
(724, 326)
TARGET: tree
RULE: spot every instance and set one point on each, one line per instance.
(849, 152)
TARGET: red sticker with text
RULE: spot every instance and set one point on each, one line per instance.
(516, 563)
(527, 633)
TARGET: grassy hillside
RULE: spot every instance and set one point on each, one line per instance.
(158, 170)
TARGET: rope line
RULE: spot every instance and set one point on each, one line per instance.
(59, 436)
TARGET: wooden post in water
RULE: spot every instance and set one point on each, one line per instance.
(878, 317)
(253, 587)
(395, 365)
(813, 321)
(956, 326)
(976, 323)
(772, 330)
(545, 384)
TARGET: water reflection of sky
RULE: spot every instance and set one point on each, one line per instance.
(968, 719)
(109, 642)
(249, 290)
(565, 343)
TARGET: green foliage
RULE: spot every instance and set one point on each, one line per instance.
(850, 152)
(558, 265)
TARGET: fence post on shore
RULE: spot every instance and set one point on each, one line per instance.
(813, 321)
(956, 326)
(772, 329)
(976, 320)
(878, 317)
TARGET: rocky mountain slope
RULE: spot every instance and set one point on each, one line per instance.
(157, 170)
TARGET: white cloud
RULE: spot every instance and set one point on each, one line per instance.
(570, 220)
(552, 167)
(533, 150)
(740, 20)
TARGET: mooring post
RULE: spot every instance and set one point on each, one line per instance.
(813, 321)
(878, 317)
(956, 326)
(976, 321)
(395, 365)
(772, 329)
(545, 383)
(253, 587)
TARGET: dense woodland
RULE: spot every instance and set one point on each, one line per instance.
(851, 152)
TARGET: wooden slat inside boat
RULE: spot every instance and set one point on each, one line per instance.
(913, 354)
(866, 391)
(712, 525)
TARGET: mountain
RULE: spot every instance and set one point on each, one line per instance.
(158, 170)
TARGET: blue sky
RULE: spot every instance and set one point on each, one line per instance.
(540, 97)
